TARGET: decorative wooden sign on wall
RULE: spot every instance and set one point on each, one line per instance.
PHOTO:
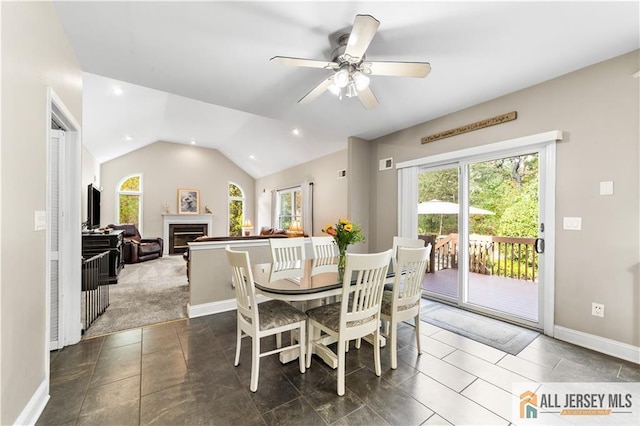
(498, 119)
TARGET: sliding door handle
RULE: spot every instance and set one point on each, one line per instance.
(539, 245)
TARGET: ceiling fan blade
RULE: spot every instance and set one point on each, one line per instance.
(399, 69)
(364, 28)
(317, 91)
(299, 62)
(367, 98)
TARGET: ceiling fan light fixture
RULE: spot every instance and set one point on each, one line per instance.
(351, 90)
(334, 89)
(361, 81)
(341, 78)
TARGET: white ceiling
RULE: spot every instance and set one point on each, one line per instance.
(201, 70)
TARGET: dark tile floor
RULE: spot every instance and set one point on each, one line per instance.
(182, 373)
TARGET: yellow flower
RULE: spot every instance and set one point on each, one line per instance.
(348, 227)
(326, 228)
(344, 221)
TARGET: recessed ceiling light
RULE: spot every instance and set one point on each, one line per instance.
(128, 137)
(253, 157)
(296, 132)
(193, 142)
(117, 90)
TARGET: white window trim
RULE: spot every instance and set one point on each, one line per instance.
(138, 193)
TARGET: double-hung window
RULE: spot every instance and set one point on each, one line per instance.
(289, 206)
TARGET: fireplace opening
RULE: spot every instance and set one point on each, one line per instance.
(183, 233)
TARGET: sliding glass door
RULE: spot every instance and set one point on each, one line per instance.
(483, 217)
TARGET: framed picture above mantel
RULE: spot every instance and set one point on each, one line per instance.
(188, 201)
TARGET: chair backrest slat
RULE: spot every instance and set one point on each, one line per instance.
(324, 247)
(287, 249)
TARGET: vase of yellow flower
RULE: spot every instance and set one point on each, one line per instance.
(344, 233)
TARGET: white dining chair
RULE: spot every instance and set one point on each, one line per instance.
(357, 315)
(287, 249)
(260, 320)
(403, 302)
(403, 242)
(324, 247)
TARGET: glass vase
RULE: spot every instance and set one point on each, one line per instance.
(341, 262)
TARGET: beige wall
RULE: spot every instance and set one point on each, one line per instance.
(330, 193)
(358, 202)
(165, 167)
(598, 108)
(35, 54)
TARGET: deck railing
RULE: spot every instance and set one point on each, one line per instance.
(509, 257)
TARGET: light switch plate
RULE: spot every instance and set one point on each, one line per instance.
(572, 223)
(606, 188)
(39, 220)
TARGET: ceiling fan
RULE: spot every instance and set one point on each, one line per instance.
(351, 70)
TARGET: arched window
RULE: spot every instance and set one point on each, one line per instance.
(236, 210)
(129, 200)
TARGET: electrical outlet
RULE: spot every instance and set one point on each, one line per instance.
(597, 310)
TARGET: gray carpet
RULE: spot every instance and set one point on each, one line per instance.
(147, 293)
(500, 335)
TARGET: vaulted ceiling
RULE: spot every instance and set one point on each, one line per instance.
(200, 71)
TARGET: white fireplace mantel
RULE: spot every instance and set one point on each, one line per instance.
(172, 219)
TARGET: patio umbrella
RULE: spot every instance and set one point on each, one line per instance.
(446, 207)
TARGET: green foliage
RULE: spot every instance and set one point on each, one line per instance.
(131, 184)
(129, 209)
(520, 219)
(234, 191)
(508, 187)
(235, 218)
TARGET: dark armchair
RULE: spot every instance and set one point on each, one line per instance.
(137, 249)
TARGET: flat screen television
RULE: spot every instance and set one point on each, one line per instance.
(93, 207)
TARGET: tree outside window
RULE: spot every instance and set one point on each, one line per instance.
(129, 204)
(236, 210)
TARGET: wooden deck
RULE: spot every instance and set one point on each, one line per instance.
(513, 296)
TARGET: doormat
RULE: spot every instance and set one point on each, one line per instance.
(500, 335)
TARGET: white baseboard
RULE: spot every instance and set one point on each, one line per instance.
(217, 307)
(35, 406)
(599, 344)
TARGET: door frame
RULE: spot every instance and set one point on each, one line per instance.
(545, 141)
(70, 255)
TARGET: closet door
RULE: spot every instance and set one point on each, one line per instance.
(54, 234)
